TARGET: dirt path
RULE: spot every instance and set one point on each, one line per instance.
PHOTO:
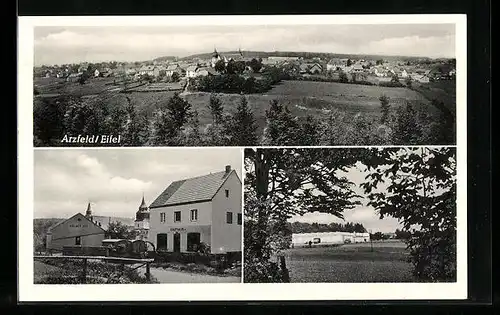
(171, 276)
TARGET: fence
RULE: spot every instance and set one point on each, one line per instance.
(90, 269)
(215, 260)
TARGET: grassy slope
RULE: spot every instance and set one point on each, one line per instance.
(302, 97)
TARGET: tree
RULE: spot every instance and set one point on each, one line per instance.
(136, 131)
(408, 82)
(193, 135)
(216, 109)
(48, 118)
(309, 134)
(343, 77)
(379, 62)
(239, 67)
(175, 77)
(179, 111)
(282, 127)
(384, 108)
(118, 230)
(407, 129)
(395, 79)
(349, 62)
(220, 66)
(284, 182)
(243, 128)
(255, 65)
(420, 192)
(83, 78)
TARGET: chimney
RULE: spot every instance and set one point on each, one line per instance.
(228, 169)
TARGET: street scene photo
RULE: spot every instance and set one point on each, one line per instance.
(350, 215)
(137, 216)
(244, 85)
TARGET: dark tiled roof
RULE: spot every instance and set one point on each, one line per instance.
(190, 190)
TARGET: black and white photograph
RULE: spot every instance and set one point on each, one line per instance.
(137, 216)
(245, 85)
(350, 215)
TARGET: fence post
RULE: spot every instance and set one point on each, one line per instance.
(84, 280)
(148, 272)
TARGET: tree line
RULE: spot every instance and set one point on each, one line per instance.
(176, 123)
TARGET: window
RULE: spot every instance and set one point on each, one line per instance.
(229, 217)
(227, 193)
(77, 240)
(193, 242)
(161, 241)
(194, 215)
(239, 218)
(162, 217)
(177, 216)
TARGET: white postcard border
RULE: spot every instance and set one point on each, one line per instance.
(29, 292)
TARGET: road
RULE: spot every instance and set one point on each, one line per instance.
(172, 276)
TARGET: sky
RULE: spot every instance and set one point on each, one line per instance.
(363, 214)
(61, 45)
(114, 180)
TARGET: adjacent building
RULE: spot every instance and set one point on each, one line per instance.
(328, 238)
(79, 230)
(204, 209)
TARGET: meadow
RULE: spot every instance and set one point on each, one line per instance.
(303, 98)
(350, 263)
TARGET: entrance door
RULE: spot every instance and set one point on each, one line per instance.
(193, 242)
(177, 242)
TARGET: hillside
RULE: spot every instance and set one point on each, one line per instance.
(265, 54)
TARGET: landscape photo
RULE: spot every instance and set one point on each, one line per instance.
(109, 216)
(350, 215)
(245, 85)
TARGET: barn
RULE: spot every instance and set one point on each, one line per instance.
(75, 231)
(328, 238)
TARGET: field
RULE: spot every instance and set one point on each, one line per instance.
(302, 97)
(350, 263)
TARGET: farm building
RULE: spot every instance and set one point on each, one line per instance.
(79, 230)
(203, 72)
(74, 77)
(328, 238)
(149, 70)
(204, 209)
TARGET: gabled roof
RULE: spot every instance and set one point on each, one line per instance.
(208, 69)
(196, 189)
(76, 215)
(172, 67)
(192, 68)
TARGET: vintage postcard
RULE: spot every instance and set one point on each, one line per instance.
(242, 158)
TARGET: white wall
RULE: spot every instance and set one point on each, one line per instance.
(201, 225)
(302, 239)
(86, 240)
(227, 237)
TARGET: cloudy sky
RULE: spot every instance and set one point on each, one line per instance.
(360, 214)
(60, 45)
(113, 180)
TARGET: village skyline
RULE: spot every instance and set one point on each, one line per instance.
(69, 45)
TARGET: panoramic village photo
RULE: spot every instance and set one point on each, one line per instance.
(137, 216)
(245, 85)
(350, 215)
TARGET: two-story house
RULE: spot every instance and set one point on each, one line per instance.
(204, 209)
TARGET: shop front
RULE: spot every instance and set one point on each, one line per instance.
(183, 239)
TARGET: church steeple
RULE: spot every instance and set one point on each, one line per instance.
(143, 212)
(88, 213)
(143, 203)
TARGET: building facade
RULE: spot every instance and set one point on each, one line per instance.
(204, 209)
(79, 230)
(328, 238)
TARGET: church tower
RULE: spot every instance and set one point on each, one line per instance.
(88, 213)
(215, 57)
(141, 224)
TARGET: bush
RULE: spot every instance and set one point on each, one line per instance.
(258, 271)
